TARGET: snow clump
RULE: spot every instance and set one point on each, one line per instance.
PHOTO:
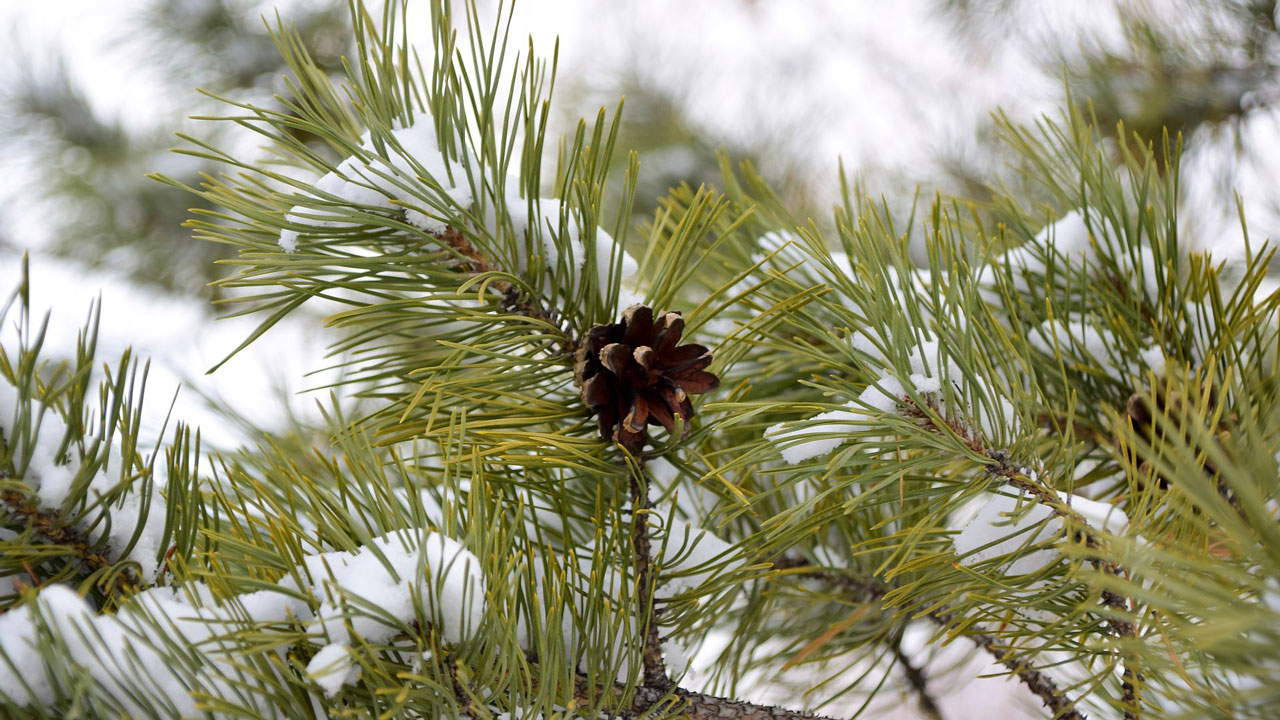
(390, 174)
(158, 628)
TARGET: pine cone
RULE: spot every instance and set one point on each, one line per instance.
(635, 373)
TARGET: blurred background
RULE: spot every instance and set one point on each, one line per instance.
(899, 94)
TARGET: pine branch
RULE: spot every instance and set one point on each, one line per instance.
(1040, 684)
(701, 706)
(1017, 476)
(647, 700)
(871, 590)
(463, 694)
(918, 682)
(476, 263)
(655, 670)
(50, 527)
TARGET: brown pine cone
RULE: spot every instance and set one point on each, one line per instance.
(634, 373)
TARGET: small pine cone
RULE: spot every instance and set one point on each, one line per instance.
(635, 373)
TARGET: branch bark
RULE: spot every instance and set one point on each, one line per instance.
(701, 706)
(647, 702)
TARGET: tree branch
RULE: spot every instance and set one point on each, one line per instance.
(655, 670)
(1018, 477)
(475, 263)
(872, 590)
(701, 706)
(647, 702)
(918, 682)
(50, 527)
(657, 693)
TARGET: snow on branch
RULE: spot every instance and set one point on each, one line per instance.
(929, 370)
(85, 483)
(387, 179)
(184, 637)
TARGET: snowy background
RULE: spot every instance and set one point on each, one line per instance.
(893, 90)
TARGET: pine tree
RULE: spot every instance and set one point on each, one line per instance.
(563, 454)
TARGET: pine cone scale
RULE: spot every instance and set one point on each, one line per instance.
(684, 356)
(639, 415)
(597, 391)
(698, 381)
(617, 359)
(639, 322)
(669, 336)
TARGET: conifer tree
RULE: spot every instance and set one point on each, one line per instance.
(567, 453)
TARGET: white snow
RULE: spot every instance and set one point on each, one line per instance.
(862, 342)
(430, 506)
(616, 621)
(677, 660)
(884, 395)
(8, 406)
(1068, 237)
(1069, 234)
(147, 550)
(53, 480)
(111, 650)
(690, 498)
(1154, 358)
(817, 436)
(418, 147)
(433, 567)
(1079, 339)
(691, 557)
(461, 589)
(438, 570)
(542, 230)
(568, 632)
(993, 533)
(930, 372)
(22, 676)
(1099, 515)
(332, 668)
(783, 247)
(389, 179)
(926, 383)
(391, 173)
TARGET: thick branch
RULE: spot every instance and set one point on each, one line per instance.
(648, 702)
(700, 706)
